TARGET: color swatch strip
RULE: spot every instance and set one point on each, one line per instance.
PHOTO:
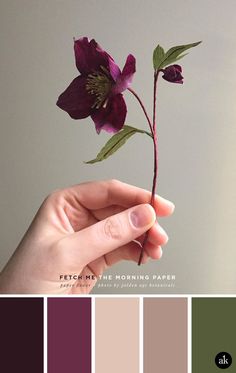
(69, 335)
(21, 325)
(165, 335)
(117, 335)
(119, 324)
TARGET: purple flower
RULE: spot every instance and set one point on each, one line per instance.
(172, 74)
(97, 92)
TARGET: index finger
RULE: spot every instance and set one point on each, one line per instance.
(100, 194)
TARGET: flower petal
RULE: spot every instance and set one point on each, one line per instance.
(114, 69)
(112, 117)
(125, 78)
(89, 56)
(75, 100)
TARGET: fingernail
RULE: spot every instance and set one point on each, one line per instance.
(142, 216)
(172, 206)
(167, 202)
(160, 252)
(163, 233)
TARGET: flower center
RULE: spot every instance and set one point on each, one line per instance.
(99, 85)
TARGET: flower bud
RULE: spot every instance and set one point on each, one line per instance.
(172, 74)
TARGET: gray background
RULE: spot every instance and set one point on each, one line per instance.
(42, 149)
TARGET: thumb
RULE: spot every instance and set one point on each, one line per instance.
(110, 233)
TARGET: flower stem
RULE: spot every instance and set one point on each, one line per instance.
(155, 168)
(143, 107)
(155, 138)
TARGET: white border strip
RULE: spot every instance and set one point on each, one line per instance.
(93, 344)
(140, 334)
(45, 334)
(118, 295)
(189, 335)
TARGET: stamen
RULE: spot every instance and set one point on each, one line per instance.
(99, 85)
(105, 104)
(105, 70)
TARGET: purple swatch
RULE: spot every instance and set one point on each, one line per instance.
(69, 335)
(21, 325)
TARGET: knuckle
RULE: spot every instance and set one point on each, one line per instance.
(112, 186)
(112, 228)
(114, 180)
(53, 197)
(114, 183)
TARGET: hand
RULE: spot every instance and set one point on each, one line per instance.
(80, 232)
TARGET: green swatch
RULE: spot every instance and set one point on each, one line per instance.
(213, 332)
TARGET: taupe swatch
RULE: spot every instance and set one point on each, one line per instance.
(117, 335)
(165, 335)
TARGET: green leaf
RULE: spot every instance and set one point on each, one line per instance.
(174, 54)
(171, 61)
(115, 142)
(162, 58)
(158, 56)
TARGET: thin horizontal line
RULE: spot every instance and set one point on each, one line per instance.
(117, 295)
